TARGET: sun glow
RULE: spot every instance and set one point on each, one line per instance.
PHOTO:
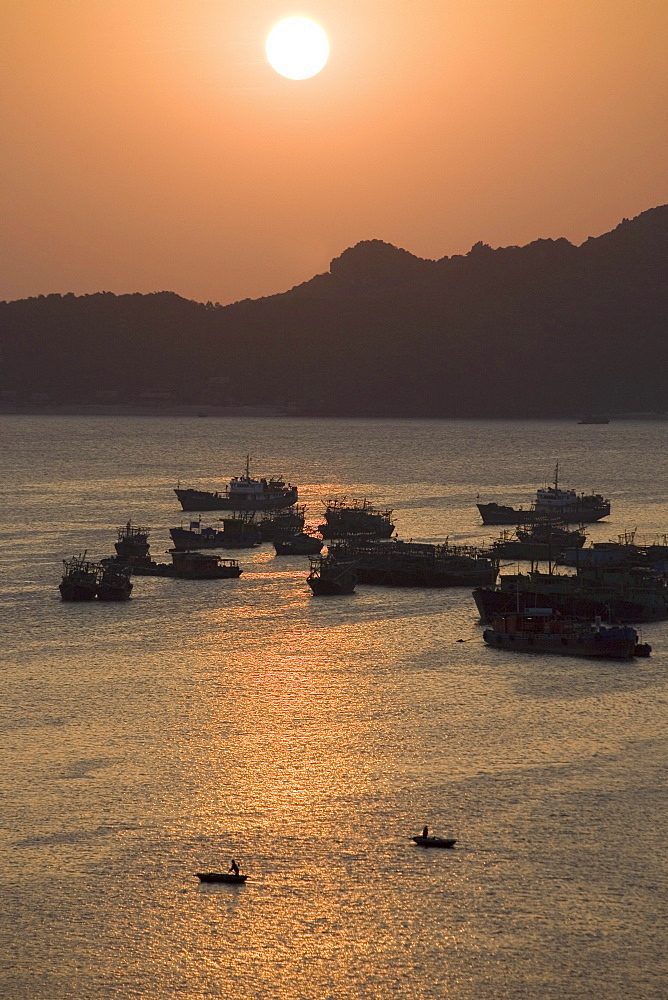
(297, 48)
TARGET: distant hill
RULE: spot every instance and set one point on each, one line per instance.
(548, 329)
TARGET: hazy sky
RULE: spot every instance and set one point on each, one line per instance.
(148, 145)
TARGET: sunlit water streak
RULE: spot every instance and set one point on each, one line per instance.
(311, 738)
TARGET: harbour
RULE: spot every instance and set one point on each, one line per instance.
(311, 739)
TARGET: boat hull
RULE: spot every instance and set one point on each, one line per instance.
(186, 541)
(494, 513)
(445, 842)
(330, 588)
(298, 545)
(77, 592)
(619, 645)
(228, 877)
(491, 602)
(200, 500)
(114, 592)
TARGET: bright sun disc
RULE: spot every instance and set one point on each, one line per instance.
(297, 48)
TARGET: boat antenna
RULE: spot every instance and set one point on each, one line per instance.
(247, 466)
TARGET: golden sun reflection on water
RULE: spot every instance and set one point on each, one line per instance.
(283, 732)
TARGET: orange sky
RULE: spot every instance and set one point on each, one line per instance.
(148, 145)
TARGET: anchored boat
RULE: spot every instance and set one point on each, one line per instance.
(355, 517)
(413, 564)
(302, 544)
(618, 594)
(551, 501)
(80, 579)
(540, 631)
(330, 576)
(238, 531)
(114, 583)
(541, 541)
(242, 493)
(203, 566)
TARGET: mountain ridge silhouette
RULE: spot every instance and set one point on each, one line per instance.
(546, 329)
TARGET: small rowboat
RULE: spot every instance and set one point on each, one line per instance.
(435, 841)
(221, 877)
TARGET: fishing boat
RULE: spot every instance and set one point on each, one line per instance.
(114, 583)
(279, 523)
(242, 493)
(80, 579)
(394, 563)
(625, 551)
(618, 594)
(203, 566)
(330, 576)
(540, 631)
(301, 544)
(221, 877)
(551, 501)
(355, 517)
(239, 531)
(132, 543)
(543, 540)
(423, 841)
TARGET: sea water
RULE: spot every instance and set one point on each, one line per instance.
(310, 738)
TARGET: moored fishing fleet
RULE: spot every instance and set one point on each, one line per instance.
(553, 611)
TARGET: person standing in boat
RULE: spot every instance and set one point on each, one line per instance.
(425, 832)
(234, 867)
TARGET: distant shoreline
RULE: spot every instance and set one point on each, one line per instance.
(133, 410)
(192, 410)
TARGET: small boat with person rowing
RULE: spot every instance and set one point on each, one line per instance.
(424, 840)
(230, 877)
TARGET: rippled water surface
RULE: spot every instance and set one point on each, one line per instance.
(310, 738)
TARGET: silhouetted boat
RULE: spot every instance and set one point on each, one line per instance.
(615, 594)
(624, 552)
(434, 841)
(242, 493)
(542, 540)
(413, 564)
(238, 531)
(301, 544)
(132, 544)
(330, 576)
(540, 631)
(80, 579)
(551, 501)
(288, 521)
(114, 583)
(202, 566)
(221, 877)
(355, 517)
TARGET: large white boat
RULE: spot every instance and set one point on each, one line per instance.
(242, 493)
(551, 502)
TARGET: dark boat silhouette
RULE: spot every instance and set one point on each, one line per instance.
(221, 877)
(80, 579)
(242, 493)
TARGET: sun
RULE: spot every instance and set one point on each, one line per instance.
(297, 48)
